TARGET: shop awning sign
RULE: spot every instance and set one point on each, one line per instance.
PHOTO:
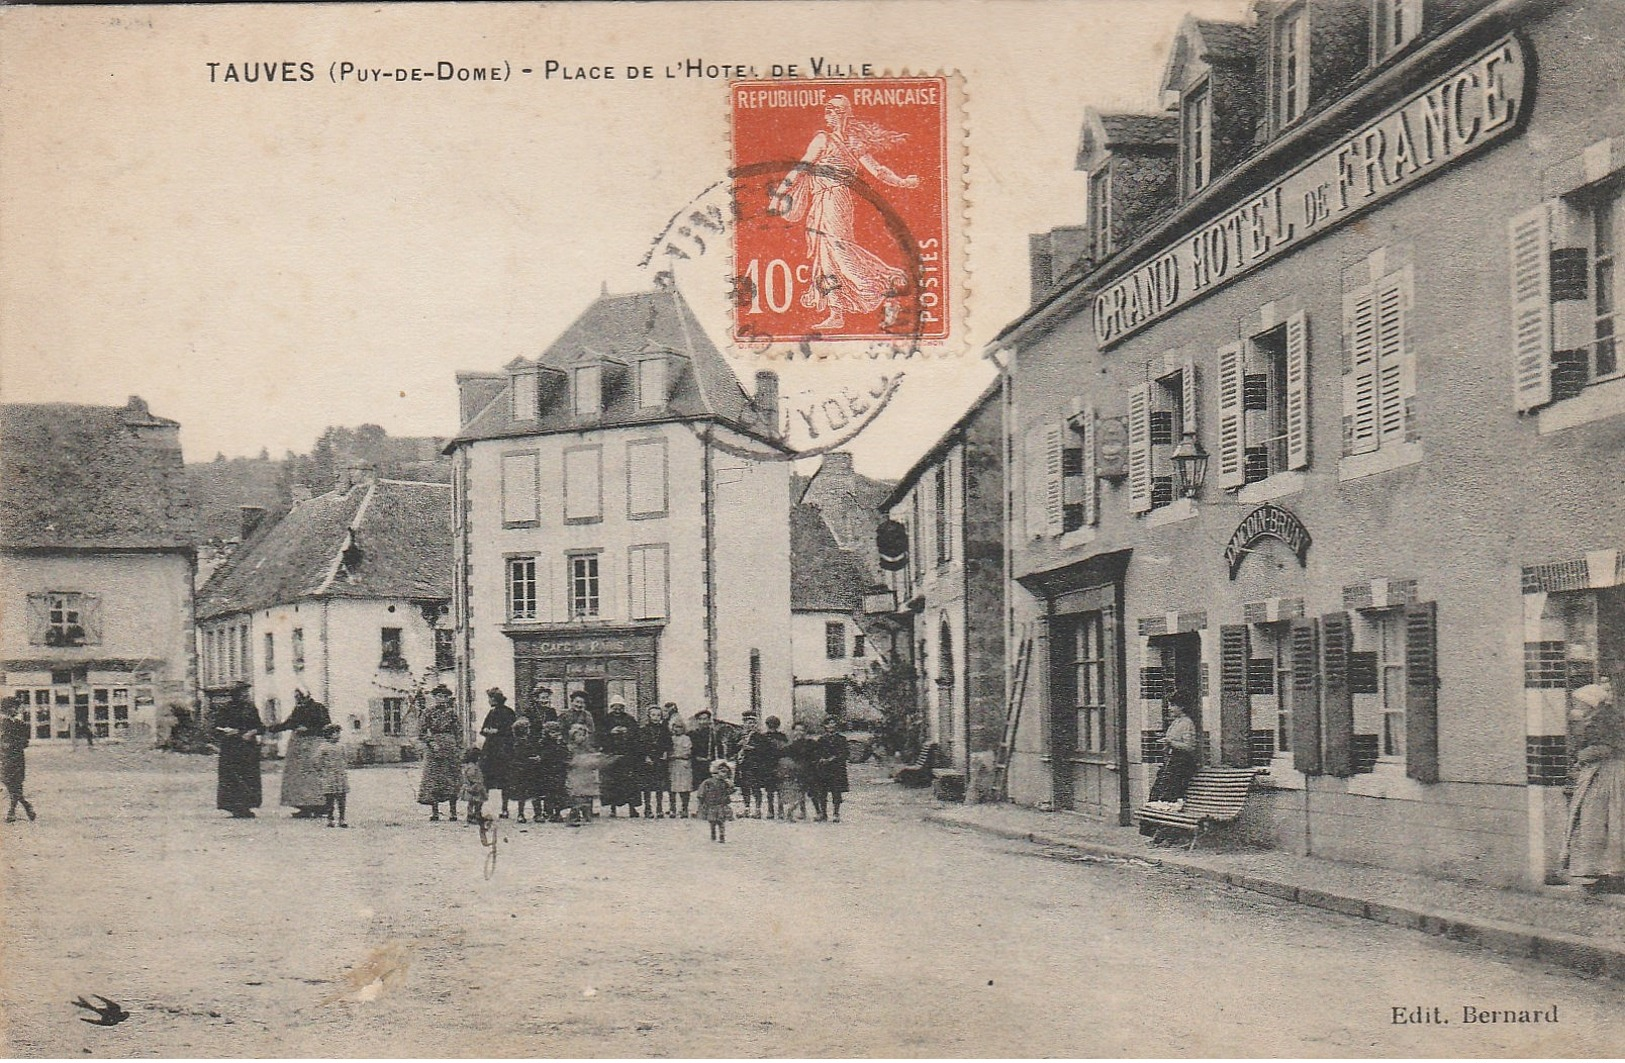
(1474, 105)
(1268, 521)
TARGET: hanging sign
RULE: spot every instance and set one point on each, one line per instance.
(1472, 106)
(1268, 521)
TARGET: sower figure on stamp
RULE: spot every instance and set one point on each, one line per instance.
(847, 278)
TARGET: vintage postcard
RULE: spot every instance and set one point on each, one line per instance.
(1087, 528)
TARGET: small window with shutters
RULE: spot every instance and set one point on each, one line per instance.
(1160, 414)
(1379, 683)
(1264, 412)
(646, 479)
(1080, 480)
(1043, 469)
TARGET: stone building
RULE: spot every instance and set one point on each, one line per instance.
(1343, 414)
(622, 520)
(346, 599)
(831, 645)
(96, 563)
(950, 596)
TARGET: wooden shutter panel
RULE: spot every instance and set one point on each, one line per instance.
(637, 582)
(1422, 692)
(1360, 382)
(1054, 503)
(1034, 470)
(1305, 700)
(1235, 707)
(1530, 234)
(1091, 468)
(39, 617)
(90, 619)
(1112, 690)
(1337, 701)
(375, 717)
(1190, 401)
(1391, 358)
(1232, 433)
(1139, 449)
(1297, 392)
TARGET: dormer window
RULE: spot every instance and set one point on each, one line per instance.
(524, 393)
(652, 373)
(1196, 138)
(1291, 66)
(587, 390)
(1100, 212)
(1394, 24)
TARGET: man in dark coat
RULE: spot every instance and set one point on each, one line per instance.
(578, 713)
(829, 771)
(710, 744)
(497, 730)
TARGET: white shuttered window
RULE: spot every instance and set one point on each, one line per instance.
(520, 475)
(584, 483)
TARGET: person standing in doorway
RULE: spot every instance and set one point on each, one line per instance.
(81, 718)
(1594, 847)
(1179, 748)
(14, 739)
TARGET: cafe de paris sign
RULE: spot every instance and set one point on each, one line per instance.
(1474, 105)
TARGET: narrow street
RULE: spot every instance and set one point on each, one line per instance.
(877, 936)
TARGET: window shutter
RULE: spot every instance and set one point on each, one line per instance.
(1297, 392)
(1305, 705)
(1034, 469)
(1232, 435)
(1139, 449)
(1530, 234)
(39, 617)
(1190, 402)
(1054, 504)
(90, 618)
(1091, 468)
(636, 582)
(546, 590)
(1422, 692)
(1337, 700)
(1360, 382)
(520, 487)
(1111, 692)
(1235, 707)
(375, 716)
(1392, 357)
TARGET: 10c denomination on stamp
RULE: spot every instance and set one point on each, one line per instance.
(845, 191)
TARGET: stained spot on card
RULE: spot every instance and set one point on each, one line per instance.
(381, 970)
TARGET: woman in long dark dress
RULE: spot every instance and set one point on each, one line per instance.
(497, 730)
(442, 736)
(1594, 845)
(237, 727)
(829, 771)
(301, 780)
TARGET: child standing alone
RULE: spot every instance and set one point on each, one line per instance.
(716, 800)
(333, 772)
(473, 783)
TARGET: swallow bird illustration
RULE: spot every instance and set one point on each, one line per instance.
(110, 1013)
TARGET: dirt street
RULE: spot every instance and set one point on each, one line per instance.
(877, 936)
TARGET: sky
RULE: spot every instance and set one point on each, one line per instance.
(259, 261)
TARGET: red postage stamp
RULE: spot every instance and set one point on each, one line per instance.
(843, 195)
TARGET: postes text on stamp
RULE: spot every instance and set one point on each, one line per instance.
(847, 188)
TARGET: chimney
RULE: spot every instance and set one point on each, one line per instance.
(766, 401)
(475, 391)
(252, 516)
(353, 472)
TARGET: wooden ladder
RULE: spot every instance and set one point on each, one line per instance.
(1012, 716)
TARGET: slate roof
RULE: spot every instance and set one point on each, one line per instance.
(91, 477)
(1227, 40)
(1140, 128)
(823, 577)
(619, 327)
(402, 529)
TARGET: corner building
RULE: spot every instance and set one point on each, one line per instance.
(1378, 292)
(622, 521)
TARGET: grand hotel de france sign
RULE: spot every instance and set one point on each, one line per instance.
(1474, 105)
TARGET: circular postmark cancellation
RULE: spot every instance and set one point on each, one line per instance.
(822, 418)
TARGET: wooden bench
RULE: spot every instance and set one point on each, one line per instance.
(1215, 799)
(918, 773)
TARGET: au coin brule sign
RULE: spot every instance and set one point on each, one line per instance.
(1475, 104)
